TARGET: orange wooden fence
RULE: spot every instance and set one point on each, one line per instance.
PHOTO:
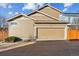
(73, 34)
(3, 34)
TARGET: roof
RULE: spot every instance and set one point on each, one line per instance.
(39, 22)
(47, 5)
(19, 15)
(36, 11)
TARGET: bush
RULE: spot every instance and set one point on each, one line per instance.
(12, 39)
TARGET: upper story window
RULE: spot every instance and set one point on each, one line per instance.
(13, 23)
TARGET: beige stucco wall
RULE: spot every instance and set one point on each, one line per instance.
(23, 29)
(51, 12)
(51, 25)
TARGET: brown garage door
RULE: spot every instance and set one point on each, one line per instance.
(50, 33)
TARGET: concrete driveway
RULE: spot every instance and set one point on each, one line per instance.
(46, 48)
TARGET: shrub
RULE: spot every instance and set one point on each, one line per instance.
(12, 39)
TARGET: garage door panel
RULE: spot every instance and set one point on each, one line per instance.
(50, 33)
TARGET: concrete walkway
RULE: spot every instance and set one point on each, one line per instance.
(46, 48)
(8, 46)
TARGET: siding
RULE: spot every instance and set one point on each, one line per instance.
(23, 29)
(40, 17)
(51, 12)
(51, 25)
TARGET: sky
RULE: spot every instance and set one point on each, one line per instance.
(8, 10)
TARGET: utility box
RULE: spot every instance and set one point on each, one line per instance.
(73, 32)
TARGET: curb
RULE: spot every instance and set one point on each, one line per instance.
(16, 46)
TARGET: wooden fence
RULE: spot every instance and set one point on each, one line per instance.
(73, 34)
(3, 34)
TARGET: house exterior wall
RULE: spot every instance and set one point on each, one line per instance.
(51, 25)
(51, 12)
(24, 27)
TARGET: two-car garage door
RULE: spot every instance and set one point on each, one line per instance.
(50, 33)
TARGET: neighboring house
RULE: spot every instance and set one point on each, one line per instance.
(72, 18)
(42, 24)
(73, 26)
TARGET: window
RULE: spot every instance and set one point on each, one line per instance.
(13, 23)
